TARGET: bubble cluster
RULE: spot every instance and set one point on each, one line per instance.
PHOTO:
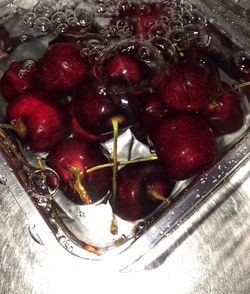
(57, 16)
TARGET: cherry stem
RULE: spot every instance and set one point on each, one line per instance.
(20, 129)
(236, 87)
(78, 185)
(154, 194)
(141, 159)
(13, 148)
(115, 124)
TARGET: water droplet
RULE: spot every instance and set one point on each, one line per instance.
(197, 196)
(23, 38)
(21, 73)
(3, 180)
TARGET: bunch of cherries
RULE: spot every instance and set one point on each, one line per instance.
(87, 89)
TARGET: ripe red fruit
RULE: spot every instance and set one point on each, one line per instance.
(95, 109)
(18, 79)
(77, 130)
(190, 85)
(77, 153)
(124, 67)
(184, 144)
(41, 123)
(136, 184)
(62, 67)
(224, 114)
(152, 111)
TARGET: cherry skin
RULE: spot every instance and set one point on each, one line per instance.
(93, 108)
(184, 144)
(18, 79)
(224, 114)
(77, 153)
(78, 131)
(61, 68)
(42, 123)
(152, 111)
(190, 85)
(135, 183)
(124, 67)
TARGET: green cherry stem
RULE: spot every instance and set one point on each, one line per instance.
(115, 124)
(125, 162)
(20, 129)
(236, 87)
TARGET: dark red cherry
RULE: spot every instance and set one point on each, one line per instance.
(184, 144)
(224, 113)
(77, 130)
(190, 85)
(136, 186)
(40, 123)
(124, 67)
(76, 153)
(62, 67)
(18, 79)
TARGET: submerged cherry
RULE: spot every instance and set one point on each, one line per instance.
(138, 187)
(40, 123)
(224, 114)
(18, 79)
(70, 159)
(62, 67)
(190, 85)
(184, 144)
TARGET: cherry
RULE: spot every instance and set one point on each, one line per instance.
(152, 111)
(18, 79)
(77, 130)
(224, 113)
(40, 123)
(184, 144)
(61, 68)
(190, 85)
(124, 67)
(95, 108)
(70, 159)
(138, 186)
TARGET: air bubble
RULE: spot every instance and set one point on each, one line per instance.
(28, 64)
(159, 29)
(58, 18)
(199, 19)
(21, 73)
(242, 61)
(100, 9)
(84, 52)
(23, 38)
(29, 18)
(84, 14)
(61, 28)
(72, 21)
(43, 25)
(196, 36)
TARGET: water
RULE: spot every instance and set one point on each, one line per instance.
(181, 26)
